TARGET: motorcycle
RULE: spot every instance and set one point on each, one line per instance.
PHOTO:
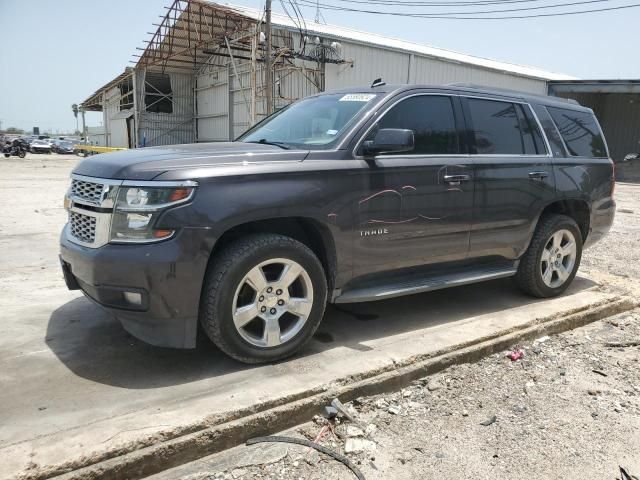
(15, 149)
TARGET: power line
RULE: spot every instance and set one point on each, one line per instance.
(286, 11)
(539, 7)
(419, 3)
(453, 15)
(298, 10)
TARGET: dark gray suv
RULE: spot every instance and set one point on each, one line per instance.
(347, 196)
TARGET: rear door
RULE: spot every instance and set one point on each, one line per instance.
(513, 175)
(415, 207)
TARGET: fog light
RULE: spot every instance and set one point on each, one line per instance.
(133, 298)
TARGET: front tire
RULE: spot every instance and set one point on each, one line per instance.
(551, 262)
(264, 298)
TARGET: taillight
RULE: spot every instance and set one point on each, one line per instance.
(613, 177)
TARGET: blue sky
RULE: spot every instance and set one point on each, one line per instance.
(57, 53)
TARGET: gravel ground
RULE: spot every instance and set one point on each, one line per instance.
(570, 409)
(619, 252)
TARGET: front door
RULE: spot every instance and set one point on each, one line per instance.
(415, 208)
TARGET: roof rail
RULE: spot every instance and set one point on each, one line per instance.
(473, 86)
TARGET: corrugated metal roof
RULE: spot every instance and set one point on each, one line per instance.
(336, 32)
(94, 101)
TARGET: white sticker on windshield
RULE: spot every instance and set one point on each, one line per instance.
(357, 97)
(332, 132)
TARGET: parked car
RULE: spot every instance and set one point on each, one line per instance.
(350, 196)
(40, 146)
(63, 147)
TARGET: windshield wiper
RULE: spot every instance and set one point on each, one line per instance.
(264, 141)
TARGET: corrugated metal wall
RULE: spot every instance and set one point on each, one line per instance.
(96, 136)
(223, 98)
(212, 105)
(370, 63)
(116, 125)
(167, 128)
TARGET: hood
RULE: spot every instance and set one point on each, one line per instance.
(147, 163)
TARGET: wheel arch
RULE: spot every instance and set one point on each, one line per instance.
(308, 231)
(575, 208)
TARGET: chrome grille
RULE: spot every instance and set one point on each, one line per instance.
(88, 191)
(82, 227)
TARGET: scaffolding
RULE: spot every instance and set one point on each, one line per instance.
(195, 36)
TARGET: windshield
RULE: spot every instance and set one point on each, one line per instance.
(311, 123)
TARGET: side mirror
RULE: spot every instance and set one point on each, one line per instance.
(389, 140)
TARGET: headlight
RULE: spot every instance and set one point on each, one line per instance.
(138, 207)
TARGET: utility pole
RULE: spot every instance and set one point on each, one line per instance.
(268, 62)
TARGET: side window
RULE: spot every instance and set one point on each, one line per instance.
(432, 120)
(580, 132)
(497, 128)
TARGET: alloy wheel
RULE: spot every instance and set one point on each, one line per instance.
(272, 302)
(558, 258)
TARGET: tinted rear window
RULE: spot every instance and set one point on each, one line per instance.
(580, 132)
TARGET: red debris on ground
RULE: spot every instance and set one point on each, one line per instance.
(516, 354)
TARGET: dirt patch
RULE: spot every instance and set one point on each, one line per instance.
(570, 408)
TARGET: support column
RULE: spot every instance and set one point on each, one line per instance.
(268, 60)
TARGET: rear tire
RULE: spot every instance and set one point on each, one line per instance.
(551, 262)
(263, 299)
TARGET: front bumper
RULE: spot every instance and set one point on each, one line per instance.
(165, 277)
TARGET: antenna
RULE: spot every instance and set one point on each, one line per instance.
(319, 17)
(378, 82)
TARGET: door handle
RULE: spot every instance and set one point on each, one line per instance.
(456, 179)
(538, 175)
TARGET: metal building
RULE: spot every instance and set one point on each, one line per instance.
(202, 76)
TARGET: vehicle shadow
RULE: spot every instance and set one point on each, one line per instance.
(93, 344)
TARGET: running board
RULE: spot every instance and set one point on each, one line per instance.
(428, 283)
